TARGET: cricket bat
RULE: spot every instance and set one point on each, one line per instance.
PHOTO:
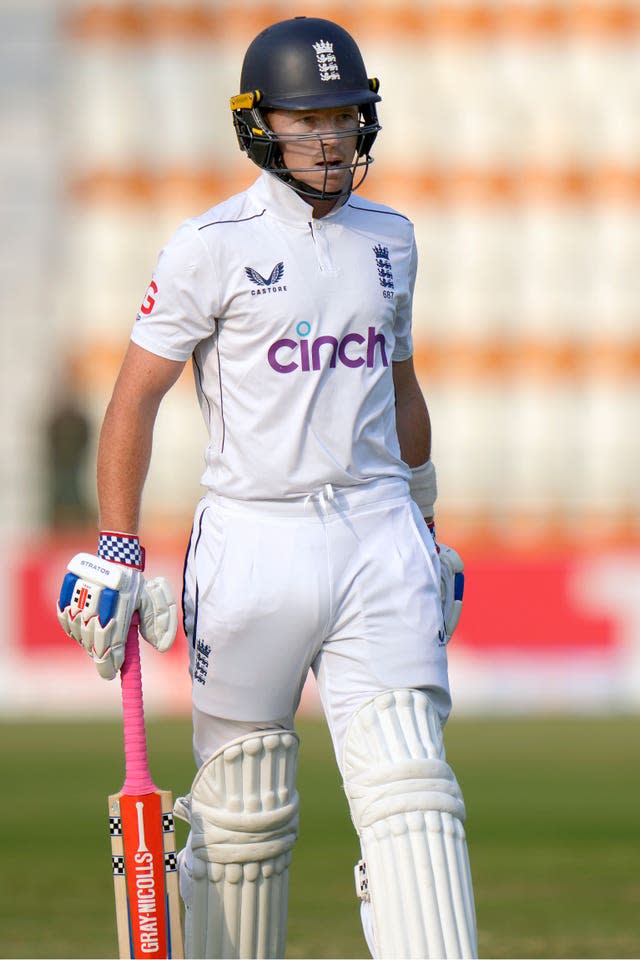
(143, 845)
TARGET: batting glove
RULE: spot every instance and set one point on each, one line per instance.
(99, 596)
(451, 585)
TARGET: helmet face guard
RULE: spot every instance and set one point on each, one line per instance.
(304, 64)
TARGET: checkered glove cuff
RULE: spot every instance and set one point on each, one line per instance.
(121, 548)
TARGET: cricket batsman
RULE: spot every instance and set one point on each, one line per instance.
(313, 546)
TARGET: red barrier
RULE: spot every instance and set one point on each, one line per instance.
(543, 630)
(528, 604)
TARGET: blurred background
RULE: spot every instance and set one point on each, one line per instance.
(511, 137)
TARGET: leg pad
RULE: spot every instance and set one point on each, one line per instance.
(243, 814)
(408, 810)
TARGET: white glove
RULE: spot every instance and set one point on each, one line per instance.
(98, 599)
(451, 587)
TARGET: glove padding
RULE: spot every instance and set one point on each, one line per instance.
(451, 588)
(97, 601)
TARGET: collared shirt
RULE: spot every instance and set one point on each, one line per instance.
(292, 324)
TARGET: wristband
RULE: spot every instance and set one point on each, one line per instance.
(121, 548)
(423, 487)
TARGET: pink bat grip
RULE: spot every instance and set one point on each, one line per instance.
(137, 776)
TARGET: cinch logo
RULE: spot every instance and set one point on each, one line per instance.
(353, 350)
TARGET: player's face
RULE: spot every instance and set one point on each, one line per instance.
(317, 145)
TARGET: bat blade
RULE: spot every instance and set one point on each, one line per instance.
(145, 879)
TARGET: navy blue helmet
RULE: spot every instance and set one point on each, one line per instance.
(305, 63)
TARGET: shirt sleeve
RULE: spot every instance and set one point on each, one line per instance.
(403, 348)
(178, 309)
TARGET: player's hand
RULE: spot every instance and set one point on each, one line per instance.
(97, 601)
(451, 583)
(451, 587)
(158, 613)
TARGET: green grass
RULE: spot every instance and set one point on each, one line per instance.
(553, 827)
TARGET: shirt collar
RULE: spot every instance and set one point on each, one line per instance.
(283, 202)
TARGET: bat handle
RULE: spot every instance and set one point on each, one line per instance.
(137, 780)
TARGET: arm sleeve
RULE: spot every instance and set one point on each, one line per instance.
(404, 341)
(181, 301)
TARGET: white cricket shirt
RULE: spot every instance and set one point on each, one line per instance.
(292, 324)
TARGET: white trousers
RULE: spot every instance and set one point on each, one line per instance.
(344, 582)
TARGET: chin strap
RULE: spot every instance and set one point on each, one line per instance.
(306, 191)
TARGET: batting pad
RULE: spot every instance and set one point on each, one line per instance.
(243, 813)
(408, 810)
